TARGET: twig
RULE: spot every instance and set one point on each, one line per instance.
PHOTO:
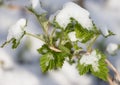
(35, 36)
(113, 68)
(110, 80)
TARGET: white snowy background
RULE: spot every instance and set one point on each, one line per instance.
(21, 66)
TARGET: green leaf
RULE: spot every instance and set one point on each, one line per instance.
(102, 72)
(47, 62)
(51, 59)
(64, 49)
(83, 69)
(60, 57)
(44, 49)
(84, 34)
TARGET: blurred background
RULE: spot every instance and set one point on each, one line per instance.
(21, 66)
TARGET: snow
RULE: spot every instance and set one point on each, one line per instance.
(6, 59)
(113, 4)
(36, 6)
(18, 77)
(72, 36)
(91, 59)
(72, 10)
(111, 48)
(17, 30)
(69, 75)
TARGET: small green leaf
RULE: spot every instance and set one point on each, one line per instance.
(83, 34)
(64, 49)
(44, 49)
(83, 69)
(47, 62)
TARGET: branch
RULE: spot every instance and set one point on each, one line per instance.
(117, 75)
(35, 36)
(113, 68)
(110, 80)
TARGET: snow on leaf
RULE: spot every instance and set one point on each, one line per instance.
(16, 33)
(106, 32)
(72, 36)
(72, 10)
(91, 59)
(17, 30)
(93, 62)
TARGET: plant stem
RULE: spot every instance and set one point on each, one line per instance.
(51, 35)
(110, 80)
(35, 36)
(114, 70)
(112, 67)
(41, 24)
(89, 48)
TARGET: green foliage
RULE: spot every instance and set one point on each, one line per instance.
(102, 73)
(103, 70)
(84, 34)
(51, 59)
(47, 62)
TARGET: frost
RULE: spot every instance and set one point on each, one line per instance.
(36, 6)
(72, 36)
(91, 59)
(72, 10)
(17, 30)
(111, 48)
